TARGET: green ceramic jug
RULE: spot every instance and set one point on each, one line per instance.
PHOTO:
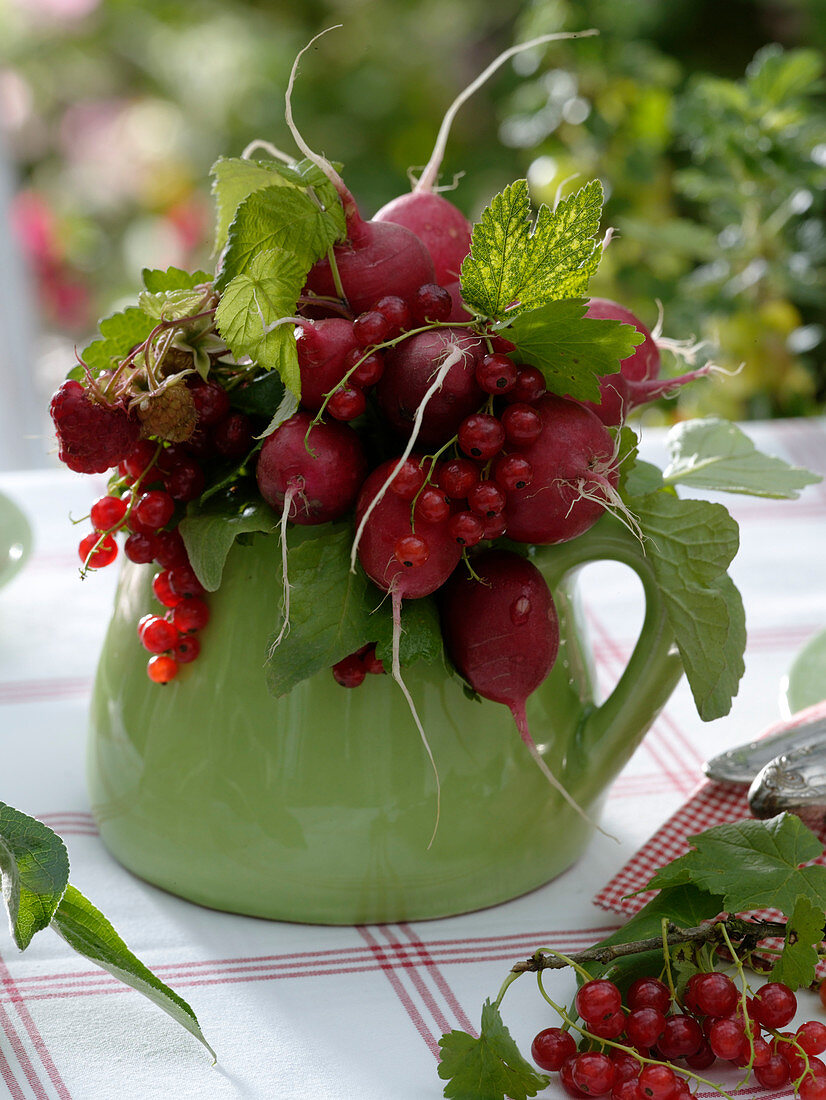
(319, 806)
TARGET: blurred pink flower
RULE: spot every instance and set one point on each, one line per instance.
(59, 9)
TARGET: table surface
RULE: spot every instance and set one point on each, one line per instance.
(332, 1013)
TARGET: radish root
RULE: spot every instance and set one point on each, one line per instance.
(397, 676)
(428, 177)
(455, 355)
(292, 492)
(268, 147)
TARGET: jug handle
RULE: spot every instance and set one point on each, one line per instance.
(608, 734)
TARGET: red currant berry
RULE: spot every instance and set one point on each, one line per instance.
(158, 635)
(97, 550)
(396, 311)
(552, 1047)
(186, 650)
(522, 425)
(658, 1082)
(457, 477)
(432, 505)
(566, 1078)
(140, 549)
(486, 499)
(154, 510)
(139, 460)
(797, 1063)
(774, 1073)
(774, 1005)
(190, 615)
(170, 551)
(163, 590)
(626, 1066)
(494, 526)
(186, 482)
(373, 665)
(529, 385)
(628, 1089)
(593, 1073)
(481, 436)
(162, 668)
(725, 1037)
(371, 328)
(431, 302)
(411, 551)
(715, 994)
(702, 1058)
(347, 403)
(682, 1091)
(812, 1088)
(614, 1025)
(681, 1037)
(496, 373)
(182, 579)
(512, 472)
(597, 999)
(649, 993)
(644, 1026)
(812, 1036)
(232, 436)
(408, 480)
(369, 370)
(108, 513)
(466, 528)
(211, 402)
(349, 672)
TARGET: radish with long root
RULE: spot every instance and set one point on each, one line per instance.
(441, 226)
(574, 472)
(502, 632)
(637, 382)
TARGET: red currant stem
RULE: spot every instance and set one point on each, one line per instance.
(635, 1054)
(569, 961)
(506, 984)
(453, 358)
(475, 576)
(86, 566)
(428, 480)
(667, 958)
(161, 327)
(744, 992)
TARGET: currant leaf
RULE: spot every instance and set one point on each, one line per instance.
(514, 266)
(118, 335)
(572, 351)
(797, 964)
(158, 281)
(487, 1068)
(209, 534)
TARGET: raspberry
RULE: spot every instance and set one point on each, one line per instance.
(169, 414)
(92, 437)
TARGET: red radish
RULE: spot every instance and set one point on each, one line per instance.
(409, 371)
(458, 313)
(322, 472)
(637, 380)
(442, 227)
(388, 522)
(322, 349)
(573, 475)
(502, 632)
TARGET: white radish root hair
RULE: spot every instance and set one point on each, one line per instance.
(396, 670)
(267, 147)
(452, 359)
(292, 492)
(427, 180)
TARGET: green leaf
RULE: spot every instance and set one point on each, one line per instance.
(487, 1068)
(752, 865)
(86, 929)
(690, 544)
(234, 179)
(261, 397)
(331, 609)
(157, 281)
(641, 479)
(572, 351)
(287, 407)
(252, 302)
(170, 305)
(796, 966)
(279, 218)
(513, 265)
(777, 76)
(118, 335)
(35, 872)
(209, 536)
(421, 637)
(716, 454)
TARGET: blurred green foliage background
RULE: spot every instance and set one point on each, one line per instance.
(705, 122)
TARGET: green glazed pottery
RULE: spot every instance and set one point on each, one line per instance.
(319, 806)
(15, 539)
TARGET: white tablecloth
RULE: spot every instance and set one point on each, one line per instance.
(329, 1013)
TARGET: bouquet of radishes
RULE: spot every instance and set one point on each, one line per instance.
(412, 406)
